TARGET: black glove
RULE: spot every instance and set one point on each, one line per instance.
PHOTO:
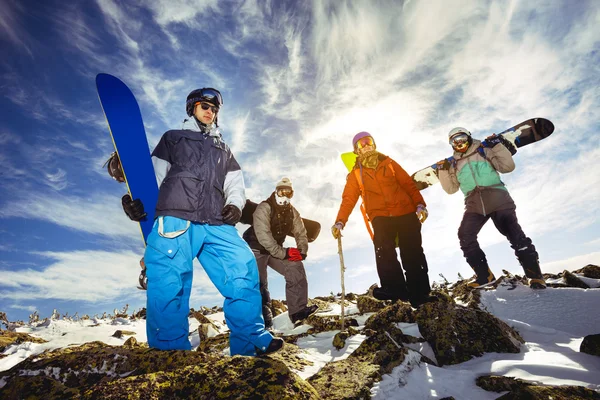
(133, 208)
(303, 256)
(231, 214)
(493, 140)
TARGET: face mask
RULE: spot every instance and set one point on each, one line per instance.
(282, 200)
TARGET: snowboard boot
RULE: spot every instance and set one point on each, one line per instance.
(388, 294)
(537, 284)
(275, 345)
(531, 266)
(484, 275)
(482, 279)
(267, 316)
(304, 313)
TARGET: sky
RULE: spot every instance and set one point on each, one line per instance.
(299, 79)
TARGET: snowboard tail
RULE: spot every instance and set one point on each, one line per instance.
(126, 129)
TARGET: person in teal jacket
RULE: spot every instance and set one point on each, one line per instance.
(474, 169)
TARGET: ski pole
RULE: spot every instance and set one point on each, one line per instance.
(342, 269)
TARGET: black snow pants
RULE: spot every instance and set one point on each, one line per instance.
(507, 224)
(407, 229)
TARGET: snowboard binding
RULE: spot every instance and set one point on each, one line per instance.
(114, 168)
(143, 279)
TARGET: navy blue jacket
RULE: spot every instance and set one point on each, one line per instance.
(197, 175)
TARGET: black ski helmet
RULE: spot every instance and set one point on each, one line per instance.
(208, 95)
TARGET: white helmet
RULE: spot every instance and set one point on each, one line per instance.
(458, 130)
(284, 191)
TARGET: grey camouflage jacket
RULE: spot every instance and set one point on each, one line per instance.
(265, 236)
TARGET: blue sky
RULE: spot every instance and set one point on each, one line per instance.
(298, 80)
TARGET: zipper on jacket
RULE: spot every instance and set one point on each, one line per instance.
(477, 187)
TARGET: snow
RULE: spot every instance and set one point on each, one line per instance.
(319, 349)
(569, 310)
(64, 333)
(552, 322)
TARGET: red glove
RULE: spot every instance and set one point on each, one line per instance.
(293, 254)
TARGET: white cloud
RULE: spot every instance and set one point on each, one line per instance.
(57, 180)
(10, 26)
(181, 11)
(97, 214)
(20, 307)
(76, 276)
(92, 277)
(571, 264)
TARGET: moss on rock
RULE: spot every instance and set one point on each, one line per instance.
(589, 271)
(8, 338)
(458, 333)
(367, 304)
(96, 370)
(353, 377)
(392, 314)
(519, 389)
(574, 281)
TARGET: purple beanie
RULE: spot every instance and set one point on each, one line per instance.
(359, 136)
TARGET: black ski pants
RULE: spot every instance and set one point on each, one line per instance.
(407, 229)
(507, 224)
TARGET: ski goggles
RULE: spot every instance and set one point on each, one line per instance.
(459, 140)
(285, 192)
(212, 96)
(364, 142)
(206, 106)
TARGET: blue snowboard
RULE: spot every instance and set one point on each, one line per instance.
(129, 137)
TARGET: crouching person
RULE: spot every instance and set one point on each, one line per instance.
(273, 220)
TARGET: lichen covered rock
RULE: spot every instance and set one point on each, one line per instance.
(353, 377)
(574, 281)
(589, 271)
(8, 338)
(521, 390)
(458, 333)
(99, 371)
(367, 304)
(390, 315)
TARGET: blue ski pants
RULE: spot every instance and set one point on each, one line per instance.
(229, 263)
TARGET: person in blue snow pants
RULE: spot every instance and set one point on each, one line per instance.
(200, 199)
(228, 262)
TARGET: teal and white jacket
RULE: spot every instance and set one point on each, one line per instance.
(476, 174)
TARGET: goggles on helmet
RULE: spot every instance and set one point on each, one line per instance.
(459, 140)
(364, 142)
(211, 95)
(285, 192)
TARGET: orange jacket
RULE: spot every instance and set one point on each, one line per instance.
(387, 194)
